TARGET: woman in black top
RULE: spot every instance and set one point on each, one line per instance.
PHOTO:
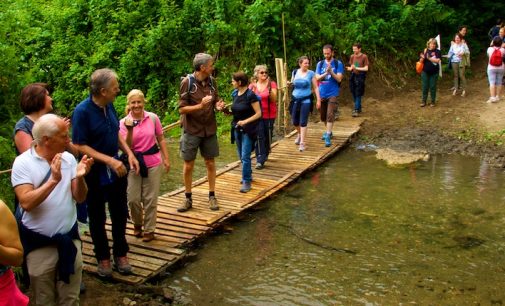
(429, 76)
(246, 112)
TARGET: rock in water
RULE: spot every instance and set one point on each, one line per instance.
(397, 158)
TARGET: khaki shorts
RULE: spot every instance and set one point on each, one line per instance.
(329, 109)
(189, 145)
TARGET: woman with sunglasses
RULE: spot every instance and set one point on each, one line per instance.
(266, 90)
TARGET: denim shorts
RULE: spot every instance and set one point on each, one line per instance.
(189, 145)
(495, 76)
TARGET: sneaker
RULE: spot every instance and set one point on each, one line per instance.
(122, 265)
(186, 205)
(327, 141)
(423, 104)
(355, 113)
(213, 203)
(301, 148)
(324, 135)
(104, 268)
(432, 105)
(495, 99)
(454, 92)
(463, 93)
(297, 140)
(490, 100)
(246, 187)
(259, 166)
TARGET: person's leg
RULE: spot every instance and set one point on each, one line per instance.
(330, 118)
(455, 71)
(269, 135)
(118, 211)
(433, 87)
(295, 117)
(210, 164)
(187, 173)
(424, 86)
(238, 143)
(209, 149)
(462, 79)
(189, 145)
(499, 83)
(134, 193)
(261, 141)
(150, 192)
(97, 217)
(41, 265)
(357, 104)
(304, 118)
(68, 294)
(247, 145)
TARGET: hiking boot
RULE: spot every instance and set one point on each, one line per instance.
(297, 140)
(148, 237)
(259, 166)
(104, 268)
(122, 265)
(327, 141)
(355, 113)
(137, 231)
(246, 186)
(213, 203)
(186, 205)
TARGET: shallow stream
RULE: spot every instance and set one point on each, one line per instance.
(356, 232)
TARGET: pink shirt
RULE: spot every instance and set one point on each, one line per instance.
(264, 100)
(144, 137)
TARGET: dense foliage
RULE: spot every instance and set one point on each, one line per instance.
(151, 43)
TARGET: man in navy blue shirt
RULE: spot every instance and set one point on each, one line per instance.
(96, 133)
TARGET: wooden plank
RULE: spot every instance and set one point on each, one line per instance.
(175, 229)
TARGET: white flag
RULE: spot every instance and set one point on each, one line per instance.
(440, 48)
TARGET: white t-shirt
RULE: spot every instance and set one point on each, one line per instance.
(490, 51)
(57, 213)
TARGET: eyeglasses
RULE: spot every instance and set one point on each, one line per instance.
(263, 72)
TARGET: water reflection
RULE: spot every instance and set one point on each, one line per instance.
(431, 234)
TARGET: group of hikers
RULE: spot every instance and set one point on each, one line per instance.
(459, 60)
(54, 171)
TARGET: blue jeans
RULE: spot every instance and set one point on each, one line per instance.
(245, 146)
(357, 102)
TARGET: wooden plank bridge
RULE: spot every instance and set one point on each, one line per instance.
(175, 230)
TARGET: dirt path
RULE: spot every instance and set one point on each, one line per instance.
(455, 125)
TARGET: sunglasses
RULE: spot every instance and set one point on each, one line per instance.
(263, 72)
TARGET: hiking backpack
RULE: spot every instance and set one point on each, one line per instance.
(496, 58)
(192, 83)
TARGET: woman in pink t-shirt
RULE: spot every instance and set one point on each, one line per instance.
(143, 133)
(266, 89)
